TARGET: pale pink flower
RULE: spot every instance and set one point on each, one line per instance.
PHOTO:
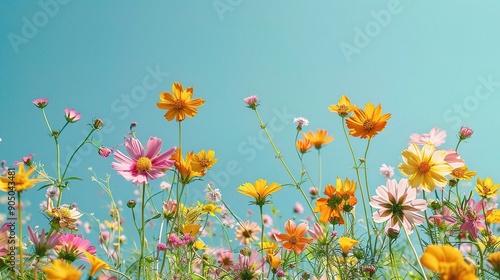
(272, 233)
(252, 101)
(317, 232)
(446, 218)
(298, 208)
(268, 221)
(27, 160)
(104, 151)
(169, 207)
(165, 186)
(212, 195)
(453, 158)
(313, 191)
(71, 115)
(465, 132)
(248, 266)
(435, 137)
(247, 232)
(225, 259)
(41, 242)
(387, 171)
(398, 205)
(41, 102)
(143, 165)
(52, 192)
(301, 121)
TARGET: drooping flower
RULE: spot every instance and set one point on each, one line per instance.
(317, 232)
(346, 244)
(203, 161)
(41, 242)
(486, 188)
(343, 107)
(301, 122)
(398, 205)
(340, 198)
(387, 171)
(71, 115)
(63, 216)
(445, 218)
(298, 208)
(462, 173)
(95, 263)
(448, 262)
(303, 145)
(143, 165)
(259, 190)
(465, 132)
(435, 137)
(318, 139)
(6, 239)
(179, 103)
(252, 101)
(294, 239)
(425, 167)
(71, 247)
(472, 220)
(247, 232)
(41, 102)
(21, 180)
(367, 123)
(60, 270)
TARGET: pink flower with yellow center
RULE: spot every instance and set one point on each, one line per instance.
(143, 164)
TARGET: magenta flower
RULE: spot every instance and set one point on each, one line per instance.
(143, 165)
(387, 171)
(104, 151)
(435, 137)
(465, 132)
(27, 160)
(41, 102)
(252, 101)
(472, 220)
(71, 115)
(398, 205)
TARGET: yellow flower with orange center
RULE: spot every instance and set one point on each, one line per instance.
(259, 190)
(18, 181)
(462, 173)
(425, 167)
(486, 188)
(179, 103)
(318, 139)
(367, 123)
(203, 161)
(343, 107)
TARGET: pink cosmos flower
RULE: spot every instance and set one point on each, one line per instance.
(42, 243)
(225, 259)
(27, 160)
(387, 171)
(398, 205)
(453, 158)
(143, 165)
(472, 220)
(435, 137)
(298, 208)
(445, 218)
(71, 115)
(465, 132)
(317, 232)
(71, 247)
(248, 266)
(268, 221)
(41, 102)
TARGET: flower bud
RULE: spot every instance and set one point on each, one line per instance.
(252, 101)
(131, 203)
(98, 123)
(392, 233)
(465, 132)
(41, 102)
(104, 151)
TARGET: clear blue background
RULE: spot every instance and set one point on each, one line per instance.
(430, 64)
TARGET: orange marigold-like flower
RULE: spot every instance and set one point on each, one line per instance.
(294, 238)
(367, 123)
(343, 107)
(179, 103)
(346, 244)
(339, 199)
(185, 166)
(319, 138)
(303, 145)
(203, 161)
(448, 262)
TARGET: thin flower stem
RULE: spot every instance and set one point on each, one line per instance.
(416, 255)
(261, 232)
(143, 229)
(280, 157)
(366, 172)
(118, 272)
(301, 158)
(20, 225)
(319, 171)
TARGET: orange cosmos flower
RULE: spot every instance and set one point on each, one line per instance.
(367, 123)
(343, 108)
(96, 263)
(259, 190)
(303, 145)
(339, 198)
(294, 238)
(185, 167)
(319, 139)
(179, 103)
(347, 243)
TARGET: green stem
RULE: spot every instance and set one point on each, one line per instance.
(143, 229)
(20, 225)
(416, 255)
(319, 171)
(280, 157)
(262, 232)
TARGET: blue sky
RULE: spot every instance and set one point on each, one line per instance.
(430, 64)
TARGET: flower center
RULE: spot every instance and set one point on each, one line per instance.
(293, 240)
(458, 172)
(204, 162)
(423, 167)
(368, 125)
(343, 110)
(247, 233)
(178, 104)
(65, 213)
(143, 164)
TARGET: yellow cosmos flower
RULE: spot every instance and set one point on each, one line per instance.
(60, 270)
(462, 173)
(367, 123)
(209, 208)
(343, 107)
(96, 263)
(259, 190)
(346, 244)
(425, 167)
(179, 103)
(494, 260)
(20, 181)
(319, 138)
(448, 262)
(203, 161)
(493, 217)
(191, 229)
(486, 188)
(200, 245)
(271, 248)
